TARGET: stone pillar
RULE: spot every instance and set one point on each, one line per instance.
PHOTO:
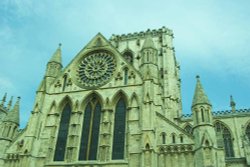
(105, 136)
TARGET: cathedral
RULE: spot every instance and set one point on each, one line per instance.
(118, 103)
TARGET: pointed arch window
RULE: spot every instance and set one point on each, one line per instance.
(173, 138)
(64, 82)
(202, 115)
(90, 130)
(128, 56)
(181, 138)
(125, 76)
(163, 135)
(248, 131)
(119, 130)
(227, 138)
(62, 134)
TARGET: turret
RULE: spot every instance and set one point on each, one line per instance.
(11, 122)
(149, 67)
(8, 129)
(54, 67)
(207, 152)
(13, 115)
(201, 106)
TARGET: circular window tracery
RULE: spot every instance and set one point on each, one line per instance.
(96, 68)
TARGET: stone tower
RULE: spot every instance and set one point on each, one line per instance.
(207, 152)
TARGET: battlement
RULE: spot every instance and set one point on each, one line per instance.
(142, 34)
(223, 113)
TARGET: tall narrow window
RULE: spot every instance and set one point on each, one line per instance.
(64, 82)
(173, 138)
(90, 130)
(248, 132)
(227, 138)
(119, 130)
(202, 115)
(62, 134)
(163, 138)
(125, 76)
(181, 139)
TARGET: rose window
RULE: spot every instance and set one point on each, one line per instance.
(96, 68)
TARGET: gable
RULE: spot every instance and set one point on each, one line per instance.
(98, 65)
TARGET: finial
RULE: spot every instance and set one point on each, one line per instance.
(4, 99)
(60, 44)
(232, 103)
(197, 77)
(10, 103)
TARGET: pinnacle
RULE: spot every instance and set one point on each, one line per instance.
(200, 96)
(10, 103)
(232, 103)
(13, 115)
(57, 55)
(3, 100)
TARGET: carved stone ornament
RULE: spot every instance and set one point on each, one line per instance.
(96, 68)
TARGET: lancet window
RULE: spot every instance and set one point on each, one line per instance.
(90, 130)
(223, 131)
(62, 134)
(119, 130)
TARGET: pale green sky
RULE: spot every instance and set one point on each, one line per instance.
(211, 39)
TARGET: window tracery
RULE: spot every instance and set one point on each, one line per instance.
(62, 134)
(96, 68)
(119, 130)
(90, 130)
(227, 138)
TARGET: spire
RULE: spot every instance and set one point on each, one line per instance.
(13, 115)
(200, 96)
(3, 100)
(232, 103)
(57, 55)
(10, 103)
(148, 43)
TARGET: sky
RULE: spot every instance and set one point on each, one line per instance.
(211, 39)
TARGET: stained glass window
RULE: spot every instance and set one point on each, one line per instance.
(90, 130)
(227, 138)
(248, 131)
(62, 134)
(119, 130)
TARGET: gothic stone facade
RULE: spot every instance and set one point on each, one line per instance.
(118, 104)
